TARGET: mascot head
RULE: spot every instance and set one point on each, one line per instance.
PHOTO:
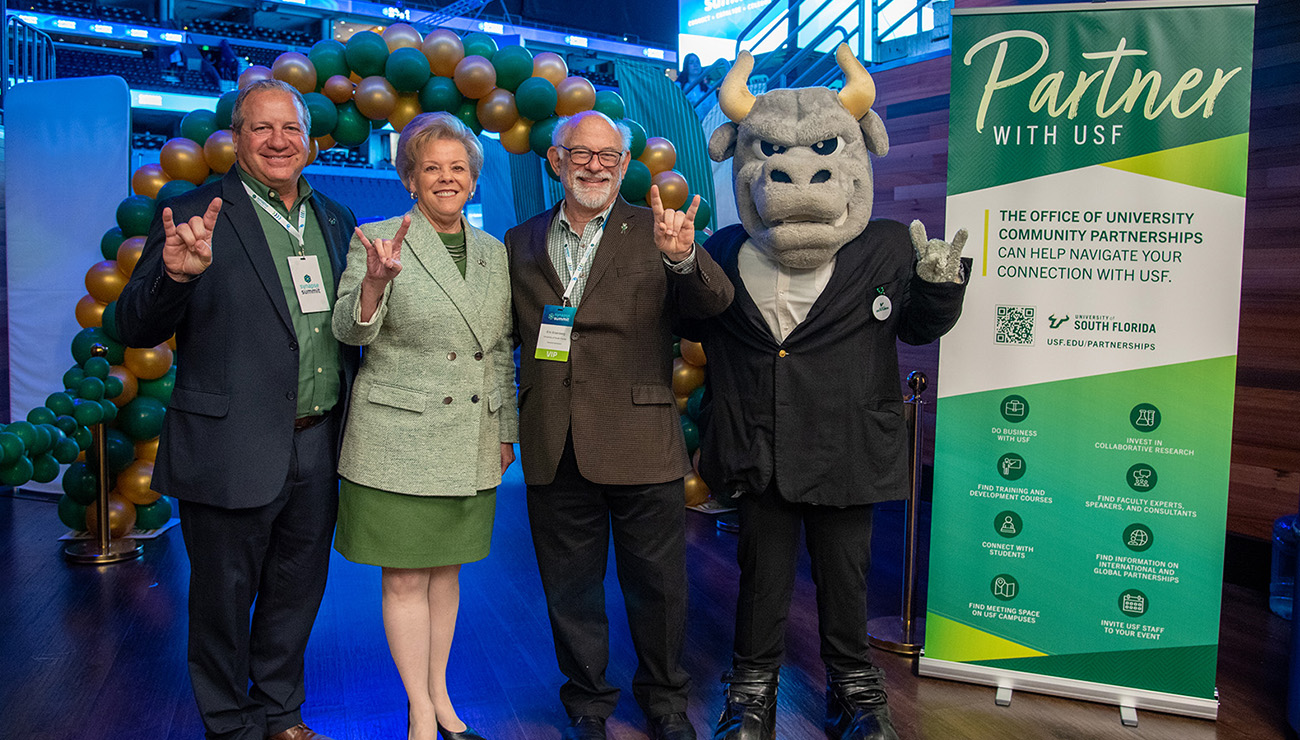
(802, 174)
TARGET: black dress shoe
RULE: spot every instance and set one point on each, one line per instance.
(750, 711)
(856, 708)
(584, 728)
(466, 734)
(671, 727)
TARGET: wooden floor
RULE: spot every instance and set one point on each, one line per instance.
(91, 653)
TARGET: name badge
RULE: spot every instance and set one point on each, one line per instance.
(308, 284)
(555, 333)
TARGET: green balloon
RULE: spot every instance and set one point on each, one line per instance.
(153, 516)
(87, 338)
(16, 473)
(324, 116)
(638, 137)
(84, 437)
(693, 403)
(468, 115)
(514, 64)
(550, 171)
(480, 44)
(703, 215)
(66, 423)
(11, 447)
(86, 412)
(160, 387)
(535, 99)
(142, 418)
(366, 52)
(79, 482)
(58, 402)
(134, 214)
(73, 377)
(198, 125)
(109, 243)
(24, 430)
(329, 57)
(65, 450)
(677, 349)
(225, 108)
(378, 124)
(539, 138)
(440, 94)
(110, 410)
(44, 440)
(214, 177)
(121, 450)
(72, 514)
(41, 415)
(96, 367)
(692, 435)
(352, 127)
(113, 387)
(610, 103)
(173, 189)
(91, 389)
(636, 183)
(44, 468)
(408, 69)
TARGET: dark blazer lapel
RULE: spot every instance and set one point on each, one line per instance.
(611, 242)
(540, 256)
(847, 263)
(336, 244)
(743, 302)
(238, 207)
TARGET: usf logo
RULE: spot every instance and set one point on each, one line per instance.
(1055, 322)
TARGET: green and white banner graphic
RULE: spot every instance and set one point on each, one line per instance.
(1097, 155)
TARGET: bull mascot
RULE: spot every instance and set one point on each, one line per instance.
(802, 419)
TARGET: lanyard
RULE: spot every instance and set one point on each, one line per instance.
(584, 260)
(302, 218)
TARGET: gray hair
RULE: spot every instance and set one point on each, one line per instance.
(427, 127)
(237, 115)
(568, 123)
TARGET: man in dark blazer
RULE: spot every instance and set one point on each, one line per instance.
(250, 443)
(600, 438)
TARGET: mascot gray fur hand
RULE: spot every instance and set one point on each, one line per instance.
(802, 173)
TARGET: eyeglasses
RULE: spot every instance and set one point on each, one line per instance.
(606, 157)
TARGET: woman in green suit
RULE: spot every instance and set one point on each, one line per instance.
(432, 421)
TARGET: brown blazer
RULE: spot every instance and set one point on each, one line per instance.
(615, 392)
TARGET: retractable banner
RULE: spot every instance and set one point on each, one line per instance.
(1097, 154)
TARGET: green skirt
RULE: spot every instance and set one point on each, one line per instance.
(396, 530)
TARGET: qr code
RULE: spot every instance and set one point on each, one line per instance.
(1015, 325)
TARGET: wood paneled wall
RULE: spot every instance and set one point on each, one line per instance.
(1265, 477)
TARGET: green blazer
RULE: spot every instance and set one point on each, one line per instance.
(435, 395)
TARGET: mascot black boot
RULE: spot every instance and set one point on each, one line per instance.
(856, 707)
(750, 712)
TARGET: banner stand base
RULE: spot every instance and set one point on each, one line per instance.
(1129, 700)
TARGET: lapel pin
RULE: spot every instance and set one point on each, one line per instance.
(624, 227)
(481, 263)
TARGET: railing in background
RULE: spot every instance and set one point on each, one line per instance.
(28, 55)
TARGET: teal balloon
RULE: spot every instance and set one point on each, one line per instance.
(110, 410)
(366, 52)
(214, 177)
(376, 125)
(693, 403)
(12, 447)
(407, 69)
(108, 322)
(174, 188)
(83, 437)
(134, 214)
(41, 415)
(44, 441)
(153, 516)
(113, 387)
(58, 402)
(66, 423)
(24, 430)
(80, 484)
(121, 450)
(636, 183)
(692, 435)
(440, 94)
(539, 138)
(142, 418)
(480, 44)
(535, 98)
(65, 450)
(44, 468)
(468, 115)
(610, 103)
(550, 171)
(352, 127)
(87, 338)
(160, 387)
(702, 216)
(324, 116)
(514, 64)
(72, 514)
(87, 413)
(96, 367)
(329, 57)
(109, 243)
(225, 108)
(16, 473)
(73, 377)
(198, 125)
(638, 137)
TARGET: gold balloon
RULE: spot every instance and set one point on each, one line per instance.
(128, 253)
(130, 386)
(550, 66)
(104, 281)
(497, 112)
(219, 151)
(182, 159)
(90, 312)
(148, 180)
(148, 450)
(515, 139)
(121, 516)
(313, 150)
(695, 459)
(253, 74)
(673, 190)
(576, 94)
(324, 142)
(692, 352)
(296, 69)
(338, 89)
(475, 77)
(354, 77)
(171, 343)
(444, 50)
(686, 377)
(407, 107)
(400, 35)
(148, 363)
(133, 483)
(375, 98)
(659, 155)
(696, 492)
(681, 403)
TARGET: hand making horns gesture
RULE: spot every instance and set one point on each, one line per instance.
(674, 230)
(384, 256)
(187, 247)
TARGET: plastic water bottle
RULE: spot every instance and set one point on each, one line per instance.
(1281, 583)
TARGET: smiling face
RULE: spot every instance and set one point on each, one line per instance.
(272, 144)
(591, 186)
(442, 183)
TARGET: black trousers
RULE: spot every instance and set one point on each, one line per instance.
(270, 561)
(571, 520)
(839, 545)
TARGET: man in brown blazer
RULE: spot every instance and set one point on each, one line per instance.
(601, 283)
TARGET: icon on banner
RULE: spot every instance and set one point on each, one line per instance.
(1144, 417)
(1011, 466)
(1133, 603)
(1138, 537)
(1005, 587)
(1014, 409)
(1142, 477)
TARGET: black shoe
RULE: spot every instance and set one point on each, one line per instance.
(466, 734)
(584, 728)
(671, 727)
(856, 708)
(750, 711)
